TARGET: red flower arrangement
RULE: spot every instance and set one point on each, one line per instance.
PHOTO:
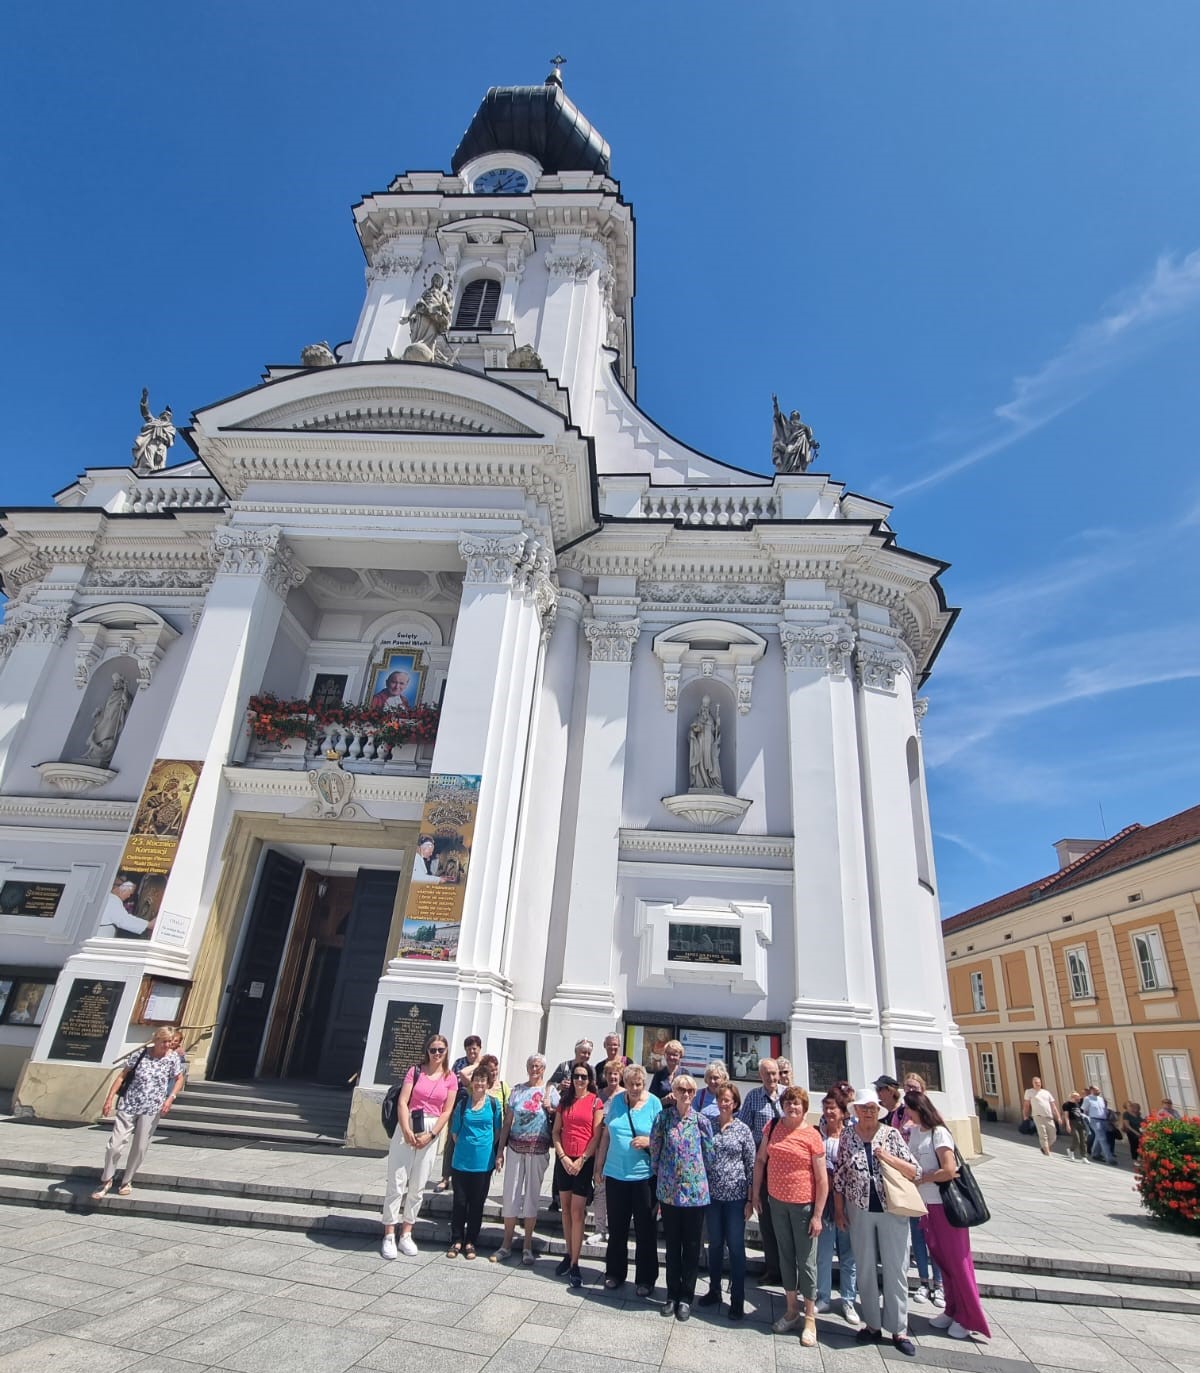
(1168, 1162)
(274, 720)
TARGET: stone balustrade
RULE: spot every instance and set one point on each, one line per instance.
(355, 743)
(711, 510)
(148, 498)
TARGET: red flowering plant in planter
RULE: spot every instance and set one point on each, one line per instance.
(1169, 1170)
(275, 720)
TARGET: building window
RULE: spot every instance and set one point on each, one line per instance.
(978, 997)
(1153, 973)
(1177, 1081)
(478, 304)
(1095, 1070)
(926, 1063)
(1079, 974)
(987, 1073)
(826, 1063)
(329, 690)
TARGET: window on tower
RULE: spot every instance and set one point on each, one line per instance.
(478, 304)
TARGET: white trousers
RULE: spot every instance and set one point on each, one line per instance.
(523, 1175)
(1047, 1131)
(880, 1238)
(408, 1171)
(142, 1130)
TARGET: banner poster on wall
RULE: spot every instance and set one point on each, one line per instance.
(151, 847)
(433, 911)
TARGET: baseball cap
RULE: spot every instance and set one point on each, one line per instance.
(885, 1081)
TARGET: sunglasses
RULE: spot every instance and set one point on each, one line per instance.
(579, 1077)
(437, 1048)
(685, 1091)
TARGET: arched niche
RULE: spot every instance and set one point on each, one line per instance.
(721, 696)
(712, 650)
(120, 628)
(98, 690)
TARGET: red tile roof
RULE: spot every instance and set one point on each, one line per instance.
(1134, 844)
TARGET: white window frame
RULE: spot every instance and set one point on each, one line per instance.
(1079, 978)
(1095, 1072)
(989, 1081)
(1154, 963)
(1178, 1079)
(978, 992)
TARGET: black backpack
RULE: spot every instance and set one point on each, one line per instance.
(389, 1112)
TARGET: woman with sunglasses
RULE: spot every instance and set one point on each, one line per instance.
(681, 1154)
(576, 1137)
(422, 1113)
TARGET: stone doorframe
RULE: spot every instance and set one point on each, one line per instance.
(248, 832)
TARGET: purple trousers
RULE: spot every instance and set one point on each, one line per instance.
(951, 1250)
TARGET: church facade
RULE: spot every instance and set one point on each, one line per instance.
(441, 687)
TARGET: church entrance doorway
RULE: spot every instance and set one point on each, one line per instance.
(301, 995)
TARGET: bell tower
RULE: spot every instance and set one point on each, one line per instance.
(521, 257)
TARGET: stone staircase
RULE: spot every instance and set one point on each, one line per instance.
(273, 1112)
(1002, 1271)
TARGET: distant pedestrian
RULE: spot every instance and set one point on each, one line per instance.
(1041, 1107)
(1095, 1109)
(1133, 1121)
(1077, 1124)
(142, 1092)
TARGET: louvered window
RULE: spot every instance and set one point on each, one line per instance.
(478, 305)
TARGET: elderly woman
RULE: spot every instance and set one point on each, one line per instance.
(427, 1097)
(681, 1156)
(730, 1201)
(833, 1121)
(142, 1092)
(624, 1162)
(475, 1125)
(525, 1146)
(878, 1237)
(660, 1083)
(576, 1138)
(715, 1076)
(932, 1146)
(791, 1160)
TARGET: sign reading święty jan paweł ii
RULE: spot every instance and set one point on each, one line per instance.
(441, 866)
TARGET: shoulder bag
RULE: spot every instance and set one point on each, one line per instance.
(900, 1196)
(962, 1199)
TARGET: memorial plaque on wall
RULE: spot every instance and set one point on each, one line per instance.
(87, 1020)
(704, 944)
(39, 899)
(406, 1027)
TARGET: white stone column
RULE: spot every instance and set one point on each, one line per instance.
(835, 991)
(389, 288)
(584, 1003)
(483, 731)
(32, 632)
(538, 839)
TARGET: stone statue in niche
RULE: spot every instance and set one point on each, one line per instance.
(156, 436)
(704, 748)
(109, 722)
(793, 447)
(428, 322)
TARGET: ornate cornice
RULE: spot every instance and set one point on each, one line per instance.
(113, 815)
(258, 551)
(246, 781)
(672, 843)
(612, 641)
(826, 648)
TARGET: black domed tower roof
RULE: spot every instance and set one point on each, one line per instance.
(539, 121)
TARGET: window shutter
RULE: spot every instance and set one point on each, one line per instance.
(478, 304)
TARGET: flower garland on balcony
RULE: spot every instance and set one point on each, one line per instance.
(273, 721)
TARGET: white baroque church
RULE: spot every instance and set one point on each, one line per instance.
(442, 687)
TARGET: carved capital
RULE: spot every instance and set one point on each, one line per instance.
(824, 647)
(34, 624)
(612, 641)
(877, 667)
(920, 709)
(493, 560)
(545, 600)
(261, 551)
(578, 262)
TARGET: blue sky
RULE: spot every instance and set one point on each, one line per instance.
(963, 239)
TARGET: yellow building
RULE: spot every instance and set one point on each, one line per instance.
(1088, 975)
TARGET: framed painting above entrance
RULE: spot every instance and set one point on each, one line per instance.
(396, 680)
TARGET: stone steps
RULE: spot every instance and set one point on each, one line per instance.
(274, 1112)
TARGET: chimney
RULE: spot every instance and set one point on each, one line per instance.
(1069, 850)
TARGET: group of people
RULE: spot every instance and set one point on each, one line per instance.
(647, 1146)
(1092, 1126)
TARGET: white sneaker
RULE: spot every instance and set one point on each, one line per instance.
(942, 1322)
(921, 1296)
(408, 1246)
(937, 1297)
(958, 1332)
(388, 1247)
(849, 1315)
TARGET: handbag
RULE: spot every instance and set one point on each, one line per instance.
(962, 1198)
(900, 1196)
(1027, 1127)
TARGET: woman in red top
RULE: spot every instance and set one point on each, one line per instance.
(792, 1154)
(576, 1135)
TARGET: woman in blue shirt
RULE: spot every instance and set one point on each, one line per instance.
(624, 1162)
(730, 1188)
(475, 1126)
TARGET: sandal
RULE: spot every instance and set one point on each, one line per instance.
(809, 1336)
(468, 1251)
(125, 1189)
(102, 1191)
(454, 1251)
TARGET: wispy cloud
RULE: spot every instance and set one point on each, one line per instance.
(980, 855)
(1136, 320)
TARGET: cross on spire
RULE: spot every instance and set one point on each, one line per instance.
(556, 62)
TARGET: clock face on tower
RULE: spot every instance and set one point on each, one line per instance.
(501, 181)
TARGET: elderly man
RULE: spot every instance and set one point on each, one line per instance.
(1042, 1109)
(1095, 1109)
(116, 921)
(562, 1074)
(759, 1109)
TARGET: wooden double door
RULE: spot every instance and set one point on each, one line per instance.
(301, 997)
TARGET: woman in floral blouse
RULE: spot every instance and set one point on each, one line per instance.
(142, 1092)
(681, 1155)
(730, 1180)
(877, 1235)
